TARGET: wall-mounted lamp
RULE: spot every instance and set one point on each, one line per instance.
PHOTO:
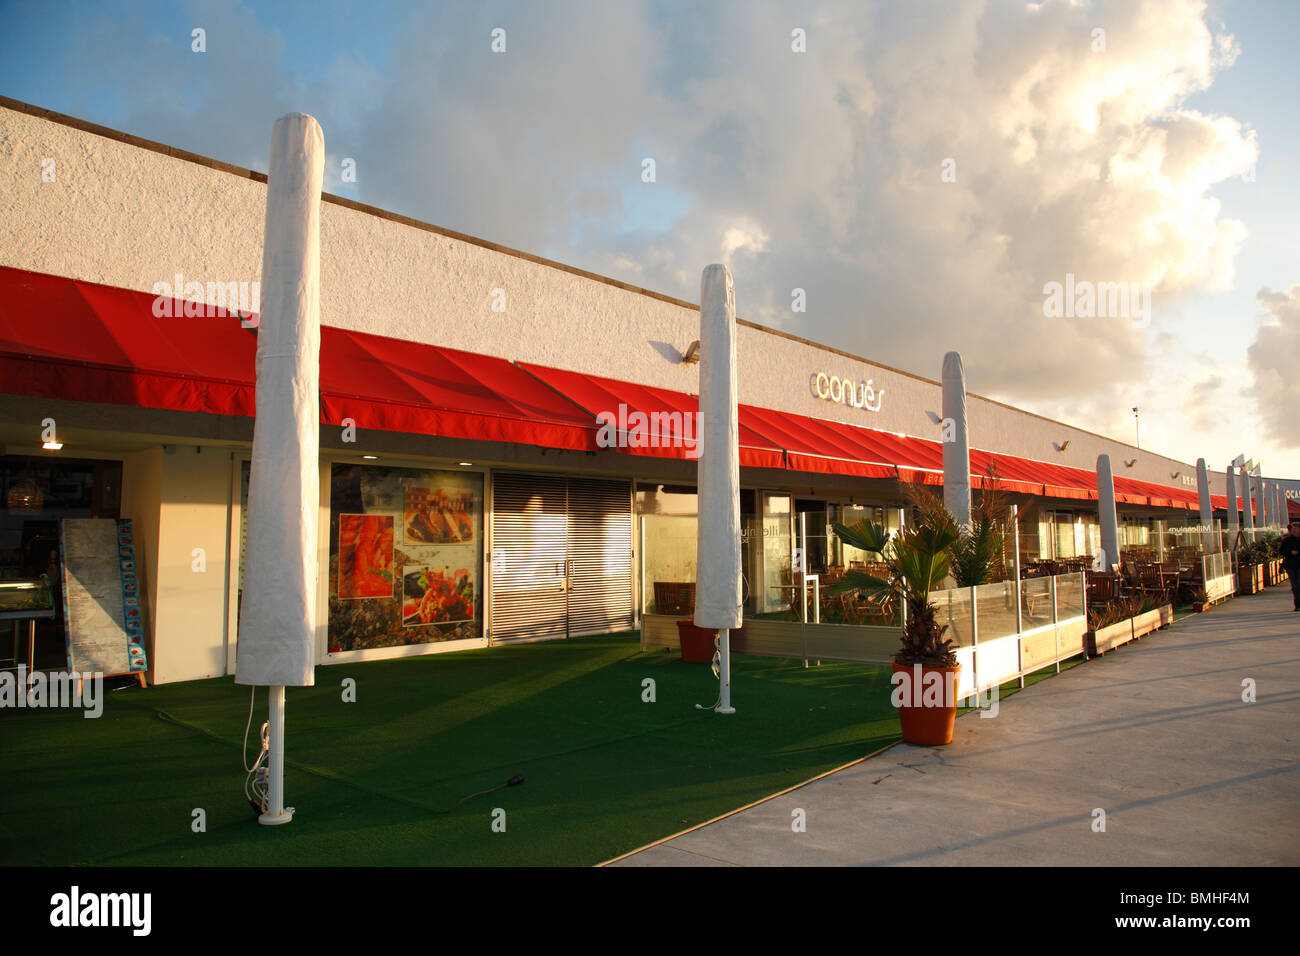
(1130, 462)
(692, 354)
(1062, 446)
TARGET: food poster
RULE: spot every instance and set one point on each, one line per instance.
(406, 553)
(365, 556)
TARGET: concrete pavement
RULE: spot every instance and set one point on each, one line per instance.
(1156, 734)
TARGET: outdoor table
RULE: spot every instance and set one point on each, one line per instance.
(30, 615)
(794, 591)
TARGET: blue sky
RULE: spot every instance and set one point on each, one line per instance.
(816, 171)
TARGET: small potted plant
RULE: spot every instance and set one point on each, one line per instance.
(925, 668)
(1199, 600)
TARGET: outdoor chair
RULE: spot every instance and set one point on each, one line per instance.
(881, 612)
(674, 597)
(1103, 588)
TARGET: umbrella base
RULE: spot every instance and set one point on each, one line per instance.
(275, 819)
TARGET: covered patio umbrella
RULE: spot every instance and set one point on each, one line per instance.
(1106, 515)
(1232, 505)
(718, 588)
(277, 620)
(1207, 510)
(956, 445)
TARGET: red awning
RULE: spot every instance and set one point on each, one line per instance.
(645, 420)
(91, 343)
(60, 338)
(1014, 474)
(393, 385)
(812, 445)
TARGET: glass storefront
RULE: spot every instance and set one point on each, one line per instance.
(784, 541)
(1063, 534)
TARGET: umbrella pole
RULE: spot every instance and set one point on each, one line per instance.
(724, 673)
(276, 813)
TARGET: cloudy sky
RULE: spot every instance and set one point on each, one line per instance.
(922, 170)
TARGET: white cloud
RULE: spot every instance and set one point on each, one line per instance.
(818, 170)
(1273, 362)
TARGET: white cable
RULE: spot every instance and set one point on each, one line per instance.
(715, 665)
(250, 781)
(248, 726)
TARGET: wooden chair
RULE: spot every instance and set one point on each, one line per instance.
(1103, 588)
(674, 597)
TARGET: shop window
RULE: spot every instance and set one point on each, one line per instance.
(405, 557)
(35, 494)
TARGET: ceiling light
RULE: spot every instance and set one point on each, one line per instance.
(52, 445)
(466, 464)
(371, 457)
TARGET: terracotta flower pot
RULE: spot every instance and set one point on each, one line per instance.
(696, 642)
(926, 709)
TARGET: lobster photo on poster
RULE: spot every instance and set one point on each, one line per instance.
(365, 567)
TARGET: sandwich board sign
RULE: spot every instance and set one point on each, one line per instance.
(102, 614)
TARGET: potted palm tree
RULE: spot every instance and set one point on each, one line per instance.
(978, 555)
(925, 667)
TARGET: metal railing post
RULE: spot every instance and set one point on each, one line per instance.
(975, 645)
(641, 594)
(1056, 626)
(1020, 621)
(803, 583)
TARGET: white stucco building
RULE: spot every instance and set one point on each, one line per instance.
(466, 495)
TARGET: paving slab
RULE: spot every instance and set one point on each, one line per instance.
(1155, 734)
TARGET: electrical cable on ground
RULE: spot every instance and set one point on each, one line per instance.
(512, 782)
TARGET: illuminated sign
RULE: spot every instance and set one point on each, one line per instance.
(832, 388)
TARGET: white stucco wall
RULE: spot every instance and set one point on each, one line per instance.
(125, 215)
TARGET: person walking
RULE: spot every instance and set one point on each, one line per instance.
(1290, 548)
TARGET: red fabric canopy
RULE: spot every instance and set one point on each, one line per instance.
(646, 420)
(393, 385)
(60, 338)
(74, 340)
(92, 343)
(811, 445)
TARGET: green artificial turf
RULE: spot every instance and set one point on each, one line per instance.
(605, 772)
